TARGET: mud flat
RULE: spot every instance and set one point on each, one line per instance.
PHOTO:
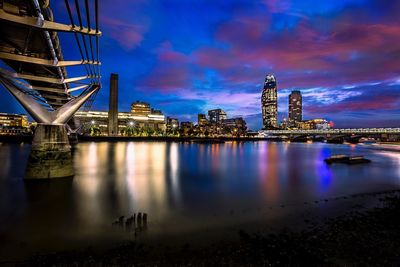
(353, 235)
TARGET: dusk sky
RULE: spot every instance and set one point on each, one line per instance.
(186, 57)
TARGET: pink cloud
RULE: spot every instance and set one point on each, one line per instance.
(172, 71)
(127, 34)
(214, 58)
(306, 56)
(166, 54)
(245, 49)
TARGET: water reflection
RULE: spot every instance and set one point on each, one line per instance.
(5, 156)
(127, 177)
(269, 171)
(177, 184)
(394, 156)
(323, 170)
(172, 165)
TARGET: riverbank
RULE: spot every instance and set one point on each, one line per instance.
(86, 138)
(363, 235)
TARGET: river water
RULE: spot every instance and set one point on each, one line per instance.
(181, 186)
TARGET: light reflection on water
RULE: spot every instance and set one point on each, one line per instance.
(179, 184)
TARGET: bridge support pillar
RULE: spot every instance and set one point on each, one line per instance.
(51, 153)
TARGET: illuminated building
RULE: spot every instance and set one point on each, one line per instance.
(201, 120)
(319, 124)
(18, 120)
(216, 115)
(139, 108)
(284, 124)
(295, 108)
(186, 128)
(13, 123)
(143, 118)
(172, 124)
(203, 125)
(234, 126)
(269, 103)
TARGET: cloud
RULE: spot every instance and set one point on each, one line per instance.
(127, 34)
(172, 71)
(362, 99)
(189, 57)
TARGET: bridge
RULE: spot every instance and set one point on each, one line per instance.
(33, 69)
(346, 131)
(335, 135)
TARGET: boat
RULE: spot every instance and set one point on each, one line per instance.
(358, 160)
(346, 159)
(367, 141)
(336, 159)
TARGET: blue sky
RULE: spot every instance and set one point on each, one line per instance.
(185, 57)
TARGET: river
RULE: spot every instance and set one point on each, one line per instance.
(181, 186)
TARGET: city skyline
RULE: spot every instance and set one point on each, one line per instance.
(341, 56)
(227, 132)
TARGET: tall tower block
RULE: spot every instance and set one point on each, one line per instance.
(269, 103)
(113, 106)
(295, 107)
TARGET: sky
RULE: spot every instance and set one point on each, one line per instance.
(188, 56)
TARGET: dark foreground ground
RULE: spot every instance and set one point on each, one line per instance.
(367, 238)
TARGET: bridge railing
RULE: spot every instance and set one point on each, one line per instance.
(31, 49)
(334, 131)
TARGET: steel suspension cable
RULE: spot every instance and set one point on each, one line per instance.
(83, 37)
(90, 101)
(88, 22)
(96, 4)
(76, 35)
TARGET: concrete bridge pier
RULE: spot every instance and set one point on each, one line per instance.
(51, 153)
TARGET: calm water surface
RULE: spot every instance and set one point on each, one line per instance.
(180, 185)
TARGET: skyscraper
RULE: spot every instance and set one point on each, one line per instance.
(269, 103)
(295, 108)
(113, 106)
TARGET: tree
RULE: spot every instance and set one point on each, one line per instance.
(95, 130)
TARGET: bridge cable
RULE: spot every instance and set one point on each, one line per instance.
(83, 37)
(88, 22)
(76, 35)
(96, 3)
(90, 37)
(90, 101)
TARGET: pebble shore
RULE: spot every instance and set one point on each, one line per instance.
(358, 238)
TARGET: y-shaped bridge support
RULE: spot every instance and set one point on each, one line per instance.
(51, 152)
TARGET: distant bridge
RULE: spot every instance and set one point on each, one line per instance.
(339, 131)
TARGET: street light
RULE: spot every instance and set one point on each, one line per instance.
(131, 123)
(93, 122)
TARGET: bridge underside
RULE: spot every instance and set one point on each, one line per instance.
(34, 71)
